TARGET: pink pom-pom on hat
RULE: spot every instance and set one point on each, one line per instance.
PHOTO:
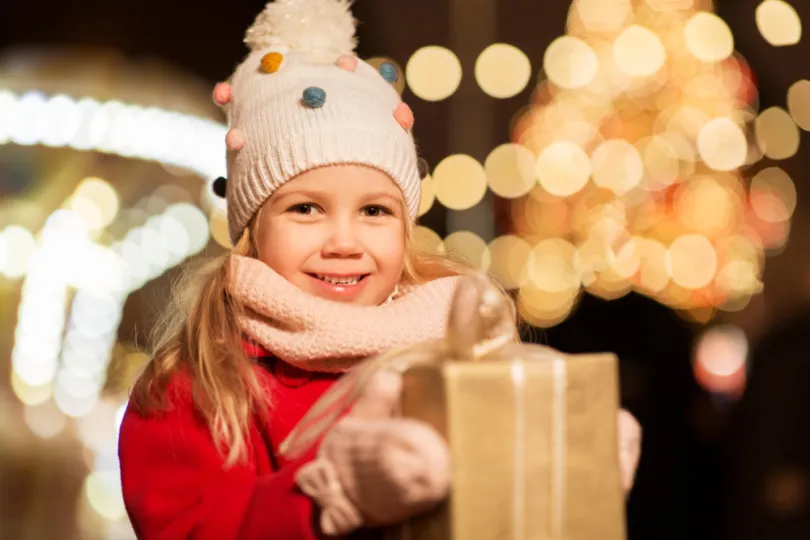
(222, 94)
(235, 140)
(347, 62)
(404, 115)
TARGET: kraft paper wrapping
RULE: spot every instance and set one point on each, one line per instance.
(534, 446)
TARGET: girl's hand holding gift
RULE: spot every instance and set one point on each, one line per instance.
(375, 470)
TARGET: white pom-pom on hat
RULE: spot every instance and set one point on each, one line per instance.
(304, 25)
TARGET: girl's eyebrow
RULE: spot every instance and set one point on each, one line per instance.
(301, 192)
(380, 195)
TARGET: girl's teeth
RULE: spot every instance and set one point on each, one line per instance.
(338, 280)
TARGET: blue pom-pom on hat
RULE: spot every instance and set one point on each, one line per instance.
(389, 72)
(314, 97)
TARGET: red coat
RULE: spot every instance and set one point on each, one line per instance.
(174, 483)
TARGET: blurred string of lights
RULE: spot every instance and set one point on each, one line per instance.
(623, 172)
(75, 286)
(59, 364)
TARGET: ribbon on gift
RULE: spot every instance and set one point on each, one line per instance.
(481, 322)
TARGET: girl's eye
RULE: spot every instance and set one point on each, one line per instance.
(305, 209)
(376, 210)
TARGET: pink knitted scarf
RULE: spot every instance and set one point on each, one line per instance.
(321, 335)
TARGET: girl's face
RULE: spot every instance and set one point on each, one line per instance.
(337, 232)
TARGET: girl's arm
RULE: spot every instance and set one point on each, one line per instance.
(175, 486)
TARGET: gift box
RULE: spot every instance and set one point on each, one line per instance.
(532, 432)
(533, 439)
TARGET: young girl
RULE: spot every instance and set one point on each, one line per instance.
(323, 189)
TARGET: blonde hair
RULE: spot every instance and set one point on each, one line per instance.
(198, 334)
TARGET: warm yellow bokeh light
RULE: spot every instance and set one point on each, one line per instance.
(570, 63)
(798, 102)
(653, 275)
(773, 195)
(433, 73)
(88, 211)
(627, 259)
(543, 216)
(609, 285)
(692, 261)
(739, 278)
(617, 166)
(722, 144)
(468, 246)
(103, 492)
(218, 222)
(661, 163)
(102, 194)
(459, 181)
(554, 266)
(708, 38)
(779, 23)
(17, 247)
(669, 5)
(427, 239)
(603, 15)
(777, 134)
(96, 201)
(428, 196)
(509, 256)
(563, 168)
(543, 308)
(706, 206)
(503, 70)
(30, 394)
(510, 170)
(638, 52)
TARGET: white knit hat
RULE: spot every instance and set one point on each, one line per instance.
(301, 100)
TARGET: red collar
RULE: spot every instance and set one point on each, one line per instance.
(254, 350)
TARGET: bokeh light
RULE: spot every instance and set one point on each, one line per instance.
(428, 195)
(468, 246)
(509, 256)
(427, 239)
(708, 38)
(798, 102)
(563, 168)
(777, 134)
(459, 182)
(510, 170)
(773, 195)
(779, 23)
(617, 166)
(602, 16)
(692, 261)
(638, 51)
(502, 70)
(722, 145)
(570, 63)
(218, 223)
(433, 73)
(720, 360)
(17, 246)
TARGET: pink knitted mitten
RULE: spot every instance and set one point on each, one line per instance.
(373, 469)
(629, 447)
